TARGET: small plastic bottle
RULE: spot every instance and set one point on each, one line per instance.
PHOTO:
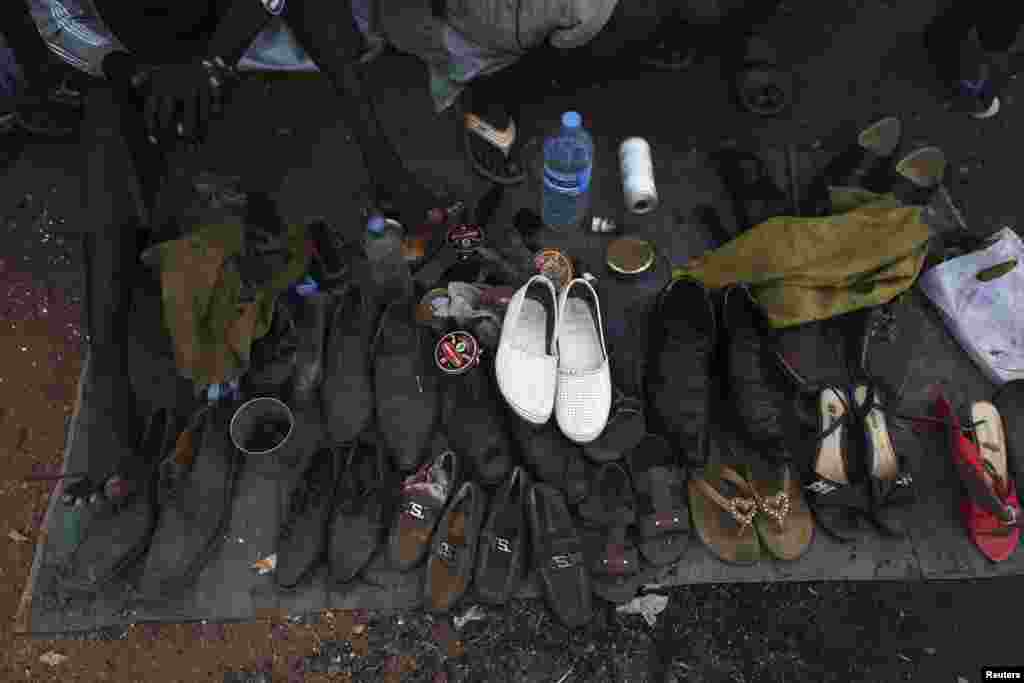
(568, 162)
(388, 269)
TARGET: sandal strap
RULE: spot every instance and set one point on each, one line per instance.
(822, 492)
(664, 485)
(777, 505)
(742, 509)
(673, 521)
(896, 493)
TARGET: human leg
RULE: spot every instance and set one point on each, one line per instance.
(492, 103)
(23, 37)
(328, 33)
(998, 25)
(975, 71)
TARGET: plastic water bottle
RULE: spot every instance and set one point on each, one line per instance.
(568, 160)
(383, 247)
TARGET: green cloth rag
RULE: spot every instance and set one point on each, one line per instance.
(211, 327)
(870, 250)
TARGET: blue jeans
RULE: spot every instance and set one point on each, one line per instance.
(11, 75)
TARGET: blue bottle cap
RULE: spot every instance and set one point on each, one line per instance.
(571, 119)
(376, 225)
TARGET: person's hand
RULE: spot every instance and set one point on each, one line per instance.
(182, 98)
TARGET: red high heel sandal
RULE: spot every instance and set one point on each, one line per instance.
(991, 510)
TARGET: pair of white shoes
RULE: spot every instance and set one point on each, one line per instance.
(552, 358)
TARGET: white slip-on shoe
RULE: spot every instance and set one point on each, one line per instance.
(527, 361)
(584, 397)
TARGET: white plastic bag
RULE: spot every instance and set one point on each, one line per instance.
(985, 314)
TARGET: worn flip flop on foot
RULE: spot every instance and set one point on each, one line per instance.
(664, 520)
(492, 145)
(558, 556)
(723, 507)
(784, 522)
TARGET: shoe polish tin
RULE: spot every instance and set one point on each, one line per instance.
(630, 256)
(465, 238)
(457, 353)
(554, 265)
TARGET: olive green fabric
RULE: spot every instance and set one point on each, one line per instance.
(212, 328)
(870, 250)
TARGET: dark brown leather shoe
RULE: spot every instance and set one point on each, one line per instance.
(421, 502)
(453, 550)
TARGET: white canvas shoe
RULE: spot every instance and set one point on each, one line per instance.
(527, 362)
(584, 397)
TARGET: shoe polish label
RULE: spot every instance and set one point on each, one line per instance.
(465, 238)
(457, 353)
